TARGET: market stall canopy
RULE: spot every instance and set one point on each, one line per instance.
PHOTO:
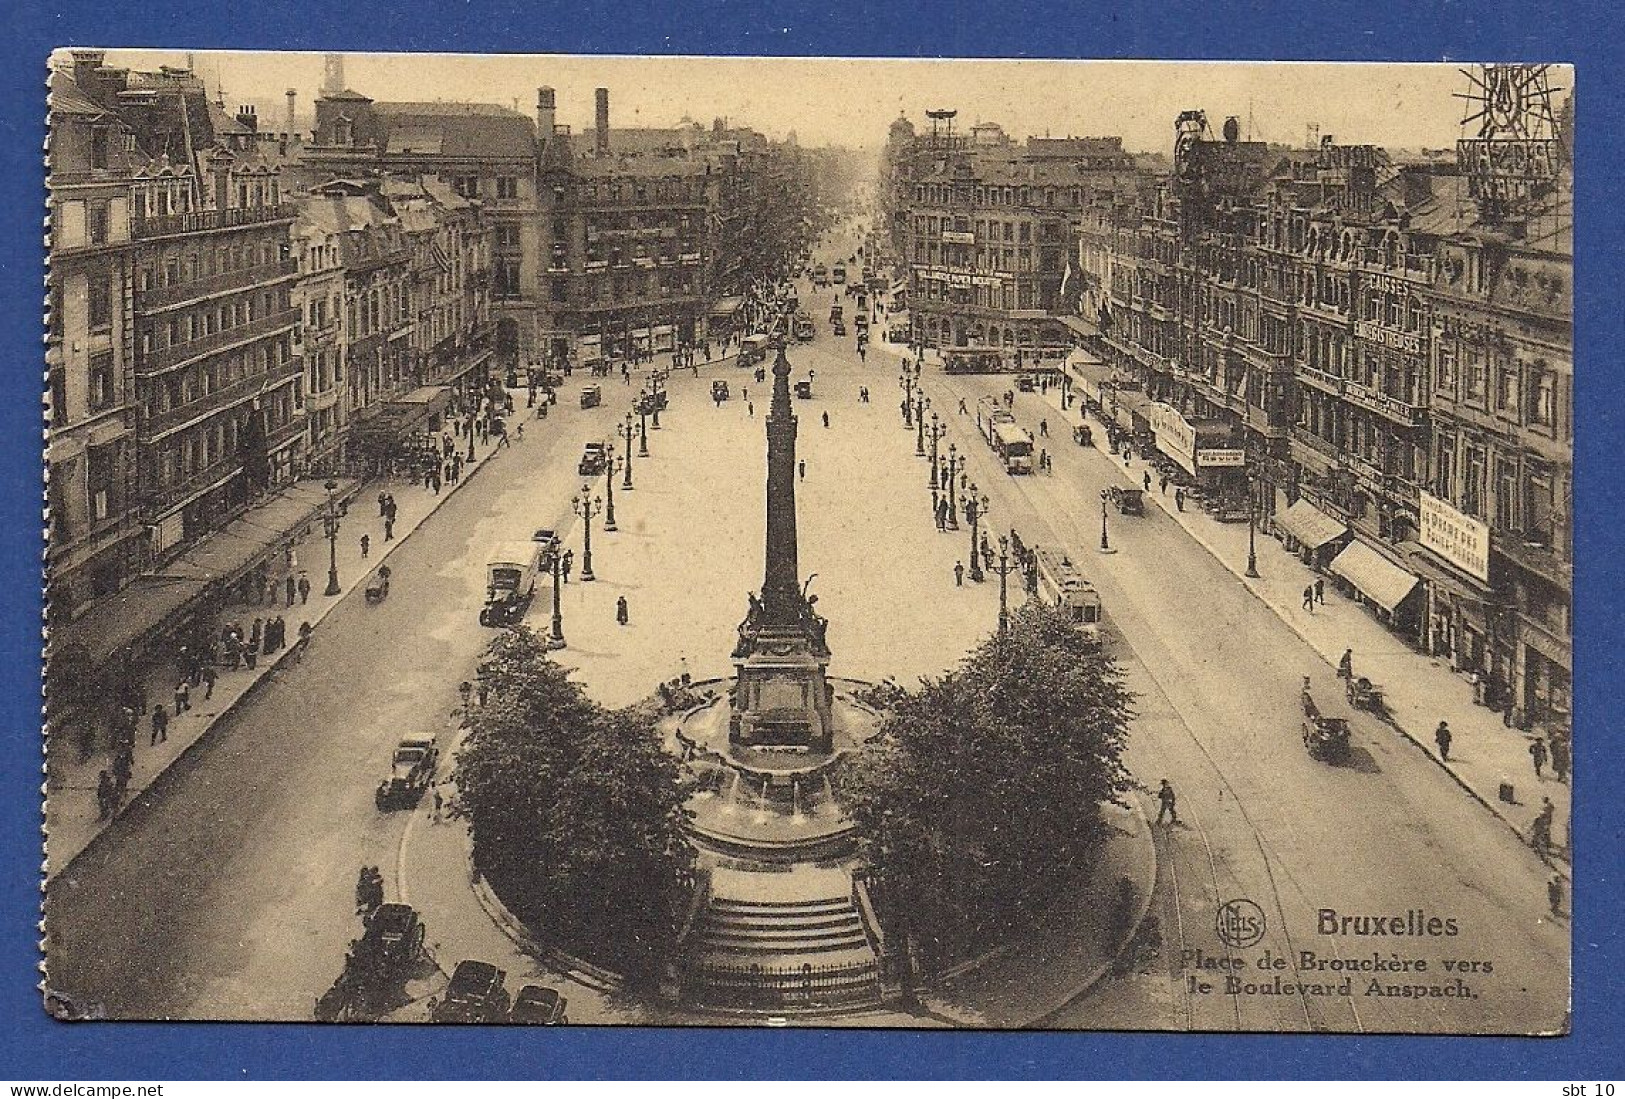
(1309, 525)
(1379, 579)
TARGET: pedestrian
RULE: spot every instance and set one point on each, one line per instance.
(1043, 459)
(256, 633)
(620, 610)
(1345, 665)
(389, 532)
(160, 724)
(1166, 799)
(1164, 484)
(959, 574)
(1554, 893)
(183, 698)
(208, 681)
(1441, 737)
(366, 544)
(1145, 481)
(104, 795)
(1560, 758)
(567, 564)
(1309, 598)
(251, 655)
(942, 515)
(1043, 428)
(1320, 590)
(963, 411)
(290, 587)
(1540, 833)
(304, 589)
(1538, 755)
(383, 504)
(801, 468)
(1179, 499)
(750, 409)
(826, 419)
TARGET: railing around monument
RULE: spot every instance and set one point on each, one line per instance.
(763, 986)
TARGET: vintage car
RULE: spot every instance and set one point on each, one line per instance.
(411, 770)
(475, 994)
(510, 584)
(592, 396)
(836, 314)
(1326, 738)
(594, 457)
(839, 328)
(1026, 383)
(538, 1005)
(719, 390)
(804, 389)
(394, 935)
(1129, 501)
(548, 545)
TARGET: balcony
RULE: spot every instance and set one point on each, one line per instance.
(239, 392)
(1399, 410)
(163, 297)
(162, 500)
(1320, 379)
(179, 354)
(203, 221)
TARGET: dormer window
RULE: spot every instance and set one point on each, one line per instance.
(344, 131)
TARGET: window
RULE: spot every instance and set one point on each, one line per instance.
(1507, 512)
(1506, 389)
(59, 397)
(100, 300)
(1543, 398)
(97, 220)
(1445, 375)
(1475, 375)
(101, 381)
(507, 187)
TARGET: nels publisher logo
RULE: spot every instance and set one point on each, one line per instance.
(1239, 924)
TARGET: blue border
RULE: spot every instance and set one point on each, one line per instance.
(1586, 34)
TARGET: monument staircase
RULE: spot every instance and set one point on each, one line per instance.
(783, 942)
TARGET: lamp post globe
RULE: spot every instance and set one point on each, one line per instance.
(609, 488)
(330, 525)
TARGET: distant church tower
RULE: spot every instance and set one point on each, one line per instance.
(332, 73)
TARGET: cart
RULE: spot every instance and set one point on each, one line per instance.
(1082, 435)
(378, 586)
(1364, 695)
(1129, 501)
(1325, 737)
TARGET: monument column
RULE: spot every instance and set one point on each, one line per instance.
(781, 583)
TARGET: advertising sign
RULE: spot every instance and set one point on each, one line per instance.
(1458, 538)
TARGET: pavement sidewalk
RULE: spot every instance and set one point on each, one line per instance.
(1419, 690)
(71, 811)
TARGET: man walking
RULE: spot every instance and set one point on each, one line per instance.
(826, 420)
(183, 697)
(1540, 833)
(1179, 499)
(959, 574)
(290, 585)
(1309, 598)
(1441, 737)
(389, 532)
(366, 544)
(1538, 755)
(1345, 665)
(1560, 758)
(1165, 803)
(1145, 480)
(208, 681)
(160, 724)
(621, 614)
(304, 589)
(1320, 591)
(567, 563)
(801, 469)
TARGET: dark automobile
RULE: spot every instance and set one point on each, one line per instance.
(411, 771)
(1026, 384)
(719, 390)
(548, 540)
(394, 935)
(592, 396)
(474, 995)
(593, 459)
(538, 1005)
(804, 389)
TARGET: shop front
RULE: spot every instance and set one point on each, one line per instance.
(1389, 590)
(400, 431)
(1310, 533)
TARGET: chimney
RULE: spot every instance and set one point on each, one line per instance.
(247, 119)
(86, 62)
(332, 73)
(601, 137)
(287, 122)
(544, 113)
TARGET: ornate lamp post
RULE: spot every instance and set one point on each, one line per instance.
(1105, 542)
(906, 383)
(1252, 527)
(953, 470)
(609, 488)
(472, 416)
(586, 506)
(1004, 568)
(330, 526)
(936, 434)
(625, 432)
(556, 639)
(922, 402)
(643, 432)
(975, 508)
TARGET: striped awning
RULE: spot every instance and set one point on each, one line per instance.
(1380, 580)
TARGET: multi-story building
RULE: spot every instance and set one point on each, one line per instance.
(95, 535)
(451, 278)
(319, 339)
(990, 232)
(1376, 359)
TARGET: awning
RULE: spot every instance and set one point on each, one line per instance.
(726, 307)
(395, 418)
(150, 601)
(1078, 326)
(1379, 579)
(1309, 525)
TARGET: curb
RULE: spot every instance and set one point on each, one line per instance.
(138, 801)
(949, 1014)
(576, 969)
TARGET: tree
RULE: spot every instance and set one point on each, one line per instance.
(574, 810)
(983, 792)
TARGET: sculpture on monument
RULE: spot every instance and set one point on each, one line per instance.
(782, 698)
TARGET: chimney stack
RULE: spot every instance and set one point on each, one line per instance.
(601, 137)
(287, 125)
(332, 73)
(544, 113)
(247, 119)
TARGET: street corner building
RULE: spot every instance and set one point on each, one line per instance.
(1158, 613)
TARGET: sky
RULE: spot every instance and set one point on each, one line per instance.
(852, 102)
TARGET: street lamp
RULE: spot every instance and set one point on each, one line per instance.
(936, 433)
(643, 432)
(556, 640)
(609, 487)
(1252, 527)
(922, 403)
(1105, 542)
(625, 432)
(975, 508)
(906, 383)
(1004, 568)
(330, 526)
(586, 506)
(472, 416)
(953, 469)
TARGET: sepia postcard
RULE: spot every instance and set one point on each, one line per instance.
(579, 540)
